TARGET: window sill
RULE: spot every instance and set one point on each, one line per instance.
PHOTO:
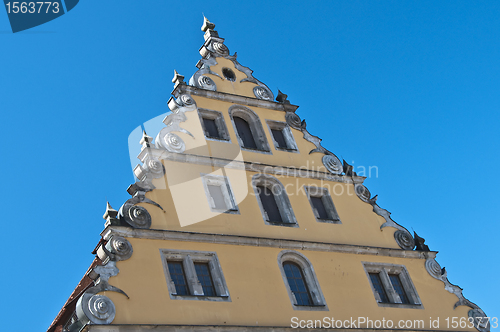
(223, 298)
(284, 224)
(400, 305)
(255, 150)
(329, 221)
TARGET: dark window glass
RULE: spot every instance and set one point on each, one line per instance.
(217, 197)
(279, 137)
(244, 132)
(379, 288)
(398, 287)
(205, 279)
(269, 204)
(229, 74)
(176, 271)
(297, 283)
(211, 128)
(319, 206)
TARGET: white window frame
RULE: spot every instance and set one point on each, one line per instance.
(223, 182)
(255, 127)
(287, 133)
(219, 123)
(284, 206)
(319, 303)
(333, 216)
(188, 259)
(384, 270)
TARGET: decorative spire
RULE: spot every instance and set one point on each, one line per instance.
(282, 97)
(207, 24)
(145, 140)
(110, 216)
(178, 79)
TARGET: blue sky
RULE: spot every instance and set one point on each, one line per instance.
(409, 87)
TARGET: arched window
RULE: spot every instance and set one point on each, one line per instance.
(300, 280)
(244, 133)
(297, 283)
(248, 129)
(273, 201)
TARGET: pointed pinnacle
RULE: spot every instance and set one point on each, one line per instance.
(207, 25)
(178, 78)
(110, 212)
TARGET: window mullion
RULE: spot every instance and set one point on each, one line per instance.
(391, 293)
(194, 285)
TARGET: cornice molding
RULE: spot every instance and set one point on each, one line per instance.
(236, 99)
(160, 154)
(169, 235)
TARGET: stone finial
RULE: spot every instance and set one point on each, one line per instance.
(207, 25)
(420, 243)
(282, 97)
(178, 79)
(145, 140)
(110, 216)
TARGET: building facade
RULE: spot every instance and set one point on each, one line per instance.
(241, 220)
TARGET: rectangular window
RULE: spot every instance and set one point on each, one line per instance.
(211, 128)
(279, 138)
(322, 205)
(217, 197)
(392, 286)
(398, 287)
(213, 124)
(282, 136)
(378, 287)
(269, 204)
(178, 277)
(219, 194)
(194, 275)
(205, 279)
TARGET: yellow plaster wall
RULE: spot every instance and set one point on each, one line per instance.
(223, 85)
(230, 149)
(186, 208)
(258, 293)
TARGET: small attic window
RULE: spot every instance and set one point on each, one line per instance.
(229, 74)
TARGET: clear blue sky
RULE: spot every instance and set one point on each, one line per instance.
(410, 87)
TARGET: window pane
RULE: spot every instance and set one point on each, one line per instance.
(320, 207)
(297, 283)
(269, 204)
(245, 133)
(176, 271)
(205, 279)
(279, 137)
(379, 288)
(218, 197)
(398, 287)
(211, 128)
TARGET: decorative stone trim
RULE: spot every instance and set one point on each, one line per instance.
(291, 146)
(332, 164)
(324, 195)
(195, 90)
(249, 166)
(434, 269)
(261, 242)
(166, 139)
(384, 269)
(94, 308)
(219, 123)
(403, 238)
(282, 201)
(188, 258)
(255, 127)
